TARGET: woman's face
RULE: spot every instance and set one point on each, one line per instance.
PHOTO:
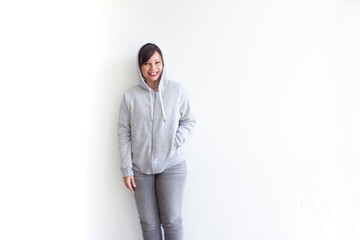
(152, 68)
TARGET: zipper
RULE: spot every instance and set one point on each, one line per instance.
(152, 133)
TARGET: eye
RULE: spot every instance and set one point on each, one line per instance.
(157, 62)
(146, 63)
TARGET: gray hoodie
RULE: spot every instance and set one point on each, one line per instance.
(153, 126)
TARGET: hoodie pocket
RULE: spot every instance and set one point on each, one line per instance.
(176, 143)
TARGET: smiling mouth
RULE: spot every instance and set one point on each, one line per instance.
(153, 74)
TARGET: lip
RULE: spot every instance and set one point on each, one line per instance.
(154, 75)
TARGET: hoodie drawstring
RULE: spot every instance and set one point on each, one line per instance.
(161, 103)
(162, 107)
(151, 106)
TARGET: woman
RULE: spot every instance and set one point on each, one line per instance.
(154, 122)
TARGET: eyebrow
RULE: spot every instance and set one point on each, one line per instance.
(158, 59)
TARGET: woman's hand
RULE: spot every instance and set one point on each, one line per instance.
(130, 183)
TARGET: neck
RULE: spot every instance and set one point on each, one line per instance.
(153, 84)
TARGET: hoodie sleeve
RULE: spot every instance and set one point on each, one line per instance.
(124, 139)
(187, 120)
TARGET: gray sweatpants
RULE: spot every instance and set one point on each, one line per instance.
(159, 202)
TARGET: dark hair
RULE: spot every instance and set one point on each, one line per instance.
(147, 51)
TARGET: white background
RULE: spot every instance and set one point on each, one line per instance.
(274, 86)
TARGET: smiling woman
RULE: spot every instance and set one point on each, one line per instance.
(154, 122)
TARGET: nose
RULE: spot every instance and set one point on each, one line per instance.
(152, 67)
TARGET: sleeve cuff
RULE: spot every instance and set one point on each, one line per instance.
(127, 172)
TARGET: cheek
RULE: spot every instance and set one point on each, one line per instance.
(143, 70)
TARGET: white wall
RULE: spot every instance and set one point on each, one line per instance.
(274, 86)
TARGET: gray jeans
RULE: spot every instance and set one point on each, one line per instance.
(159, 202)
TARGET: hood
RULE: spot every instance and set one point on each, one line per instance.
(162, 85)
